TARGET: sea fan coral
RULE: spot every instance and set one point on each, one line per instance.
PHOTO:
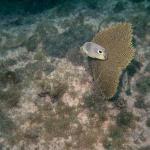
(117, 40)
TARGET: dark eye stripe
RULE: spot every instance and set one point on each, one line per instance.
(99, 51)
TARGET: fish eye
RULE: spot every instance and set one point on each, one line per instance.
(99, 51)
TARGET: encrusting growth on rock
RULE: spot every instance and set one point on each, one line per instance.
(118, 41)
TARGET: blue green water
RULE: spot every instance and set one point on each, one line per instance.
(36, 6)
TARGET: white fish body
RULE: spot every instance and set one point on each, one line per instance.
(94, 50)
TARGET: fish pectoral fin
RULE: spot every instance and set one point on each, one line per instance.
(83, 51)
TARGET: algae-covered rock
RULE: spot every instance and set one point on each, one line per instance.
(117, 40)
(115, 138)
(148, 122)
(39, 56)
(143, 85)
(6, 125)
(10, 98)
(11, 41)
(32, 43)
(125, 119)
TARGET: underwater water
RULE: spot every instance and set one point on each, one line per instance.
(49, 98)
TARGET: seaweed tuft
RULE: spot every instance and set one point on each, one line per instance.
(115, 139)
(143, 85)
(10, 98)
(125, 119)
(6, 125)
(148, 122)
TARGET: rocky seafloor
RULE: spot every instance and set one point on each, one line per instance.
(46, 100)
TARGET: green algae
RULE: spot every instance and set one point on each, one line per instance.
(6, 125)
(115, 139)
(54, 88)
(120, 103)
(145, 147)
(39, 56)
(133, 67)
(125, 119)
(9, 77)
(96, 104)
(10, 98)
(148, 122)
(60, 126)
(143, 85)
(147, 69)
(140, 103)
(7, 63)
(120, 6)
(32, 43)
